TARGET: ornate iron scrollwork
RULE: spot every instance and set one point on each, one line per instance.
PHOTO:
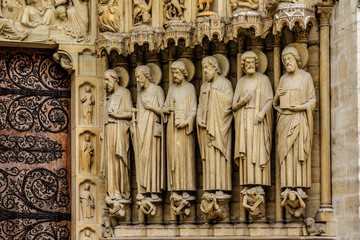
(34, 124)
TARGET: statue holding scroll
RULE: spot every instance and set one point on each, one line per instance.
(253, 114)
(116, 137)
(295, 101)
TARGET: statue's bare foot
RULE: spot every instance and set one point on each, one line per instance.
(185, 195)
(154, 196)
(219, 193)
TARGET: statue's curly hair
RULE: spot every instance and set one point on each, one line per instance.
(146, 70)
(181, 66)
(249, 54)
(291, 50)
(213, 62)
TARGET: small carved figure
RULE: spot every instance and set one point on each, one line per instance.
(87, 99)
(87, 203)
(174, 9)
(87, 154)
(142, 12)
(214, 117)
(116, 208)
(33, 16)
(253, 114)
(293, 202)
(107, 229)
(87, 235)
(252, 4)
(149, 129)
(109, 16)
(145, 205)
(116, 141)
(209, 206)
(204, 5)
(9, 31)
(254, 201)
(295, 101)
(314, 229)
(61, 14)
(65, 60)
(179, 205)
(180, 113)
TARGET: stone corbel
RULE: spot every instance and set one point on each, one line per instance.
(65, 60)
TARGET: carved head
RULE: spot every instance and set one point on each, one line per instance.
(291, 59)
(87, 233)
(140, 197)
(61, 12)
(179, 72)
(175, 197)
(87, 138)
(143, 75)
(309, 222)
(87, 186)
(87, 88)
(110, 78)
(249, 62)
(292, 196)
(211, 67)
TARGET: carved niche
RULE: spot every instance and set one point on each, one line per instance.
(87, 143)
(87, 114)
(87, 193)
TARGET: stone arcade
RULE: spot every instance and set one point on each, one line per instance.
(213, 119)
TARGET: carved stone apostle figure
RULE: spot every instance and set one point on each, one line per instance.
(87, 99)
(142, 12)
(179, 113)
(253, 114)
(213, 119)
(87, 203)
(34, 16)
(109, 16)
(116, 137)
(149, 131)
(295, 101)
(87, 153)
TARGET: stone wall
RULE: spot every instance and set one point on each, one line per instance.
(345, 55)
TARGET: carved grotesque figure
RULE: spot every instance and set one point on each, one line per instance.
(179, 205)
(179, 113)
(87, 203)
(149, 132)
(142, 12)
(314, 229)
(295, 101)
(145, 205)
(116, 137)
(210, 207)
(253, 114)
(109, 16)
(87, 99)
(293, 202)
(116, 207)
(87, 153)
(254, 201)
(107, 229)
(213, 119)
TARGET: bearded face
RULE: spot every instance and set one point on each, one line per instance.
(109, 82)
(250, 65)
(178, 75)
(209, 71)
(290, 63)
(140, 78)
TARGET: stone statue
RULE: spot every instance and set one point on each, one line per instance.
(148, 145)
(295, 101)
(109, 16)
(87, 203)
(254, 201)
(117, 208)
(204, 5)
(180, 204)
(145, 204)
(253, 114)
(251, 4)
(174, 9)
(78, 15)
(34, 16)
(213, 119)
(209, 206)
(87, 234)
(87, 99)
(9, 31)
(293, 202)
(179, 113)
(107, 229)
(314, 229)
(87, 153)
(116, 137)
(142, 12)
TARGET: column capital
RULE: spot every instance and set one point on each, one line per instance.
(324, 14)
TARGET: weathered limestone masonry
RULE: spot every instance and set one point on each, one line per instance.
(212, 119)
(345, 118)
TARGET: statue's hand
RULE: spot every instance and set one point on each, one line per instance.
(168, 110)
(201, 124)
(245, 97)
(148, 106)
(259, 118)
(281, 91)
(182, 125)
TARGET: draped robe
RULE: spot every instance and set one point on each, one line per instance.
(253, 141)
(215, 102)
(149, 132)
(294, 131)
(181, 171)
(116, 144)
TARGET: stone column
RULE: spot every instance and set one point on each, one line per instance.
(277, 74)
(325, 207)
